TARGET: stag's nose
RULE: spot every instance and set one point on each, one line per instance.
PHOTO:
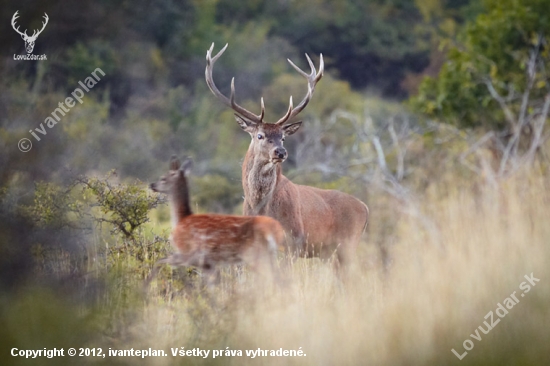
(280, 152)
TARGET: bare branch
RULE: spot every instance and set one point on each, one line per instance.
(510, 117)
(539, 127)
(400, 153)
(473, 149)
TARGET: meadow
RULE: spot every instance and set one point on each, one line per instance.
(433, 113)
(432, 296)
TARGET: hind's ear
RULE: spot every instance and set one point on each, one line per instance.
(186, 166)
(174, 163)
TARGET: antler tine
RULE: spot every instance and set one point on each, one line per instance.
(232, 95)
(13, 19)
(262, 112)
(35, 32)
(321, 68)
(298, 69)
(312, 80)
(209, 53)
(208, 74)
(311, 65)
(230, 102)
(288, 112)
(45, 22)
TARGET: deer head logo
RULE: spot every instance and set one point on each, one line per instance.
(29, 40)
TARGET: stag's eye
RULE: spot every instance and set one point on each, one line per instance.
(260, 137)
(283, 139)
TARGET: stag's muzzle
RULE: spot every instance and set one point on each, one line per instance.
(279, 154)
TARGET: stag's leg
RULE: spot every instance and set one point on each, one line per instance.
(347, 263)
(295, 244)
(341, 264)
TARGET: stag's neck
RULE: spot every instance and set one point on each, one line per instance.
(179, 204)
(260, 179)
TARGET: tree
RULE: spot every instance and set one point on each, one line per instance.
(503, 52)
(496, 80)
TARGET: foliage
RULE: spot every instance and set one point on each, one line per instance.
(371, 43)
(125, 207)
(88, 244)
(82, 58)
(216, 192)
(40, 318)
(368, 43)
(52, 205)
(87, 201)
(495, 48)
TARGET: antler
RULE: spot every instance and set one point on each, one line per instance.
(312, 80)
(36, 33)
(15, 16)
(231, 101)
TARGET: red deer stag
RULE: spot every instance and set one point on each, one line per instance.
(208, 240)
(320, 222)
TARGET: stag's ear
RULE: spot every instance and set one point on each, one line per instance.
(245, 124)
(174, 163)
(291, 128)
(186, 165)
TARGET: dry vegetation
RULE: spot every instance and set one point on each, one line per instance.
(433, 296)
(459, 194)
(444, 246)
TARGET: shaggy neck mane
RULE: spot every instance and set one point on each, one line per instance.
(259, 180)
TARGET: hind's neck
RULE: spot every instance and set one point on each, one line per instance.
(179, 203)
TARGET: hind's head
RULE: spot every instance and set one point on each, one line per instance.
(175, 179)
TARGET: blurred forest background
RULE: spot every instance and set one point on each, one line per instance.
(421, 101)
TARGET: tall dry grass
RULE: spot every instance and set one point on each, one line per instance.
(435, 294)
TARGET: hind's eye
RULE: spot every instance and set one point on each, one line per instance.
(260, 137)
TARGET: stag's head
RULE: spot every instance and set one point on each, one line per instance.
(29, 40)
(267, 138)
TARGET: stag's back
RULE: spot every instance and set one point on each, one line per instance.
(329, 219)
